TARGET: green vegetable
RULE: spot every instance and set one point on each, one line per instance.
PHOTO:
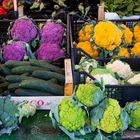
(109, 117)
(4, 70)
(12, 63)
(30, 92)
(47, 65)
(4, 85)
(89, 94)
(133, 110)
(8, 119)
(24, 69)
(2, 79)
(18, 78)
(43, 86)
(13, 86)
(48, 75)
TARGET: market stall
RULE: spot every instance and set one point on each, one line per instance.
(69, 70)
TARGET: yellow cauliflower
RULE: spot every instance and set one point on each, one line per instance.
(123, 52)
(88, 48)
(85, 33)
(136, 49)
(137, 33)
(107, 35)
(128, 35)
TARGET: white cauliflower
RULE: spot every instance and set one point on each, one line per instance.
(103, 74)
(121, 68)
(135, 79)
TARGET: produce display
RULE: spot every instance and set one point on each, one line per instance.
(117, 40)
(31, 78)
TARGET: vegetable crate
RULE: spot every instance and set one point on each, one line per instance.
(123, 93)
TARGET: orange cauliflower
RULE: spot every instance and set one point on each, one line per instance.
(137, 33)
(128, 35)
(136, 49)
(123, 52)
(85, 33)
(88, 48)
(107, 35)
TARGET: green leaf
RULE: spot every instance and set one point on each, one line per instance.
(35, 5)
(97, 112)
(100, 136)
(41, 7)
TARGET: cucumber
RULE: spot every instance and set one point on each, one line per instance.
(18, 78)
(13, 86)
(4, 85)
(48, 75)
(47, 65)
(53, 80)
(30, 92)
(43, 86)
(4, 70)
(2, 79)
(24, 69)
(12, 63)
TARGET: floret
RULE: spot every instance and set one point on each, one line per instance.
(135, 79)
(71, 116)
(89, 94)
(52, 33)
(23, 30)
(49, 52)
(137, 33)
(14, 51)
(133, 109)
(121, 68)
(136, 49)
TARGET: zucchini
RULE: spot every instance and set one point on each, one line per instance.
(4, 85)
(43, 86)
(47, 65)
(18, 78)
(24, 69)
(13, 86)
(4, 70)
(53, 81)
(30, 92)
(12, 63)
(48, 75)
(2, 79)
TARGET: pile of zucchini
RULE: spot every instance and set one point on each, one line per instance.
(31, 78)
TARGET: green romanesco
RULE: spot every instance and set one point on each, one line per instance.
(134, 114)
(110, 121)
(89, 94)
(71, 116)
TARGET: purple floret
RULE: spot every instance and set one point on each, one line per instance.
(50, 52)
(24, 30)
(14, 51)
(52, 33)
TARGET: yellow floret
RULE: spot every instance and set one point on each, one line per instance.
(137, 33)
(136, 49)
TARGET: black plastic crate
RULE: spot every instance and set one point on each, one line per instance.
(123, 93)
(4, 25)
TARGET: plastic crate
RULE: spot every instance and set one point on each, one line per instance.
(123, 93)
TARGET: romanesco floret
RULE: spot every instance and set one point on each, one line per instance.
(121, 68)
(86, 94)
(134, 114)
(71, 117)
(110, 121)
(135, 79)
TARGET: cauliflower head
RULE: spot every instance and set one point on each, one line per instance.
(117, 65)
(123, 52)
(14, 51)
(134, 112)
(88, 48)
(135, 79)
(110, 121)
(136, 49)
(52, 33)
(128, 35)
(49, 52)
(107, 35)
(85, 33)
(23, 30)
(86, 94)
(137, 33)
(71, 116)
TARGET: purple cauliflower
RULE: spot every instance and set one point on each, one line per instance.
(52, 33)
(24, 30)
(14, 51)
(50, 52)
